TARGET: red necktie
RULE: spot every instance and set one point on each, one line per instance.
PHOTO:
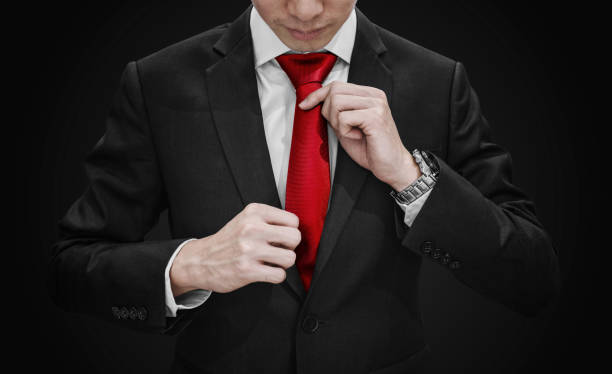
(308, 180)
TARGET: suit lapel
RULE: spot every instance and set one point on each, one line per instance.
(236, 110)
(366, 69)
(235, 107)
(234, 102)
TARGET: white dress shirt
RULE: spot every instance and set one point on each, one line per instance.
(277, 99)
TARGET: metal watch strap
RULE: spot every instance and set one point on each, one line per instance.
(422, 184)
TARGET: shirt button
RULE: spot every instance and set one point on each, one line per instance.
(310, 324)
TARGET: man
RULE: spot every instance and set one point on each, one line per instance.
(288, 251)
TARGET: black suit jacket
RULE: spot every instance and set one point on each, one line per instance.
(185, 133)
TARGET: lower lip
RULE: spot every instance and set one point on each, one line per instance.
(305, 36)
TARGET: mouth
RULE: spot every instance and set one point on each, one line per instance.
(306, 35)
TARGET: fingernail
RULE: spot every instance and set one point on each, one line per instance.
(301, 104)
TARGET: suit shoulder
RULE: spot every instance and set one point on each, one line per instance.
(196, 51)
(401, 50)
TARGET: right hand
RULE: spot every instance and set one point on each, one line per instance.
(257, 245)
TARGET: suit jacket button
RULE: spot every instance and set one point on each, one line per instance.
(455, 265)
(310, 324)
(446, 259)
(426, 247)
(142, 313)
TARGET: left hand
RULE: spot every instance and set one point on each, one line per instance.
(361, 119)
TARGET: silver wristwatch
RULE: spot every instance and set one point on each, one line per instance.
(428, 178)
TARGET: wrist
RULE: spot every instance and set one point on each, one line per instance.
(180, 280)
(408, 172)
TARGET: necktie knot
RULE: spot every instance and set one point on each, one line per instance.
(307, 68)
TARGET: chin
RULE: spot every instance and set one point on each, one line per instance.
(306, 46)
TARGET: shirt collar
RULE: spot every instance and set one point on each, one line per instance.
(267, 46)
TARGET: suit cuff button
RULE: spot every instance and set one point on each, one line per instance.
(116, 312)
(142, 313)
(436, 254)
(426, 247)
(133, 313)
(124, 313)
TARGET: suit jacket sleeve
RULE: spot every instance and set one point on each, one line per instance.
(476, 222)
(101, 265)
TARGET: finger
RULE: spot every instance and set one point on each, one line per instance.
(272, 215)
(279, 236)
(355, 134)
(352, 123)
(276, 256)
(315, 97)
(337, 87)
(283, 236)
(269, 274)
(341, 102)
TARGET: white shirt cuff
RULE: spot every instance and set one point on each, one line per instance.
(412, 210)
(188, 300)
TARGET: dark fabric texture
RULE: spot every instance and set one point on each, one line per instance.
(185, 133)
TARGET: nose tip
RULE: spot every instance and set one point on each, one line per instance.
(305, 10)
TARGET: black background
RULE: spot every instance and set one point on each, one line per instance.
(533, 65)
